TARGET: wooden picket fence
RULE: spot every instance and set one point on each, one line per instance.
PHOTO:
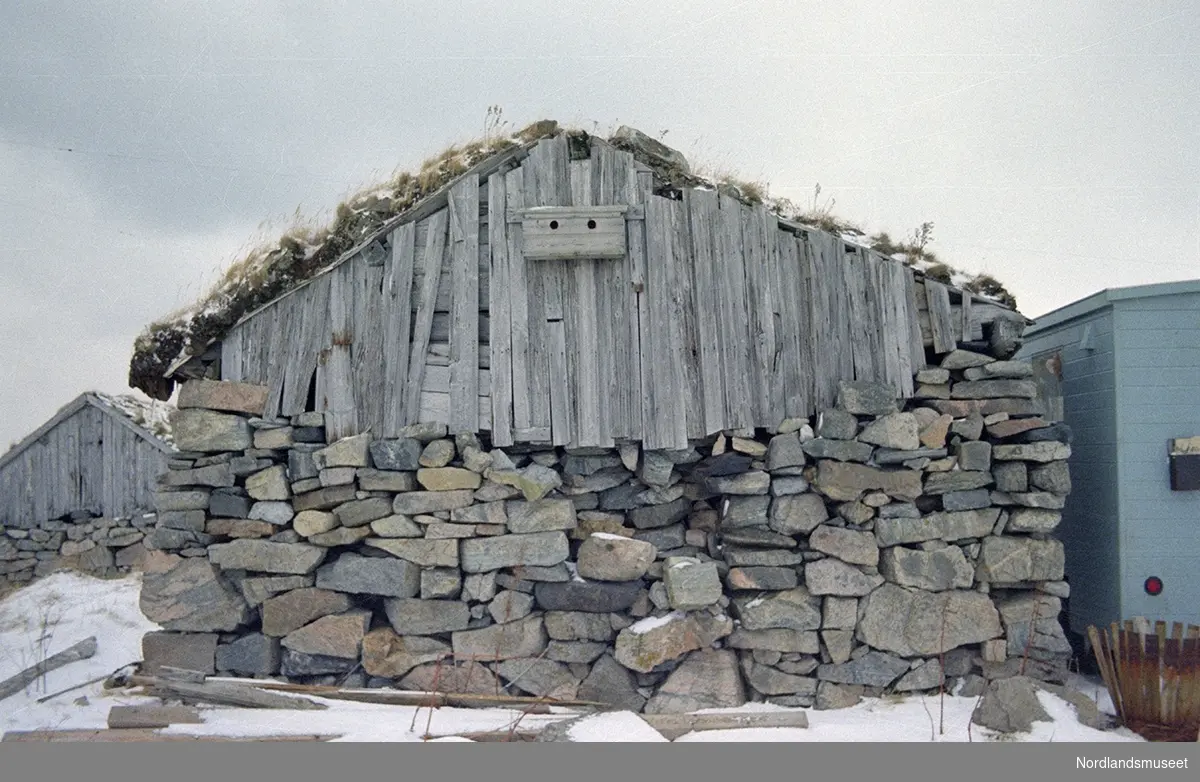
(1152, 676)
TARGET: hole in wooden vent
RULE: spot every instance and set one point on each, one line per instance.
(592, 224)
(553, 225)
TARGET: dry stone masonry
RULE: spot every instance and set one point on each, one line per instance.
(886, 545)
(98, 546)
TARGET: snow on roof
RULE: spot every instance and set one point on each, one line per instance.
(149, 414)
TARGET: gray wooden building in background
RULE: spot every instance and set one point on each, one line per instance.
(558, 293)
(1122, 368)
(90, 456)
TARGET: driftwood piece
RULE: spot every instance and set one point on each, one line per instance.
(530, 704)
(105, 678)
(140, 735)
(672, 726)
(80, 651)
(147, 716)
(226, 694)
(181, 674)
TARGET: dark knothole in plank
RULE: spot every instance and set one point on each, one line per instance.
(591, 225)
(553, 225)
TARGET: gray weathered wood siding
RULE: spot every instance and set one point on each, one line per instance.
(91, 459)
(717, 316)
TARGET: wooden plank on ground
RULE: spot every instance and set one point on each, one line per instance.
(435, 248)
(464, 331)
(500, 308)
(941, 318)
(83, 650)
(135, 735)
(397, 328)
(152, 716)
(672, 726)
(226, 693)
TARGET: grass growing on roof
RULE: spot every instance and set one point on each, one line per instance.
(272, 268)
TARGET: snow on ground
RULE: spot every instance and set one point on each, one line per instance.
(54, 613)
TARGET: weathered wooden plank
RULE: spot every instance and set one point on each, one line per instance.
(435, 248)
(79, 651)
(522, 400)
(464, 334)
(341, 406)
(141, 735)
(702, 216)
(611, 178)
(941, 317)
(639, 191)
(151, 716)
(367, 350)
(967, 323)
(887, 332)
(788, 304)
(841, 315)
(439, 355)
(826, 342)
(434, 407)
(500, 305)
(560, 386)
(734, 333)
(899, 293)
(672, 726)
(759, 311)
(663, 362)
(231, 357)
(683, 306)
(589, 423)
(571, 233)
(312, 310)
(275, 343)
(916, 340)
(858, 317)
(397, 326)
(439, 378)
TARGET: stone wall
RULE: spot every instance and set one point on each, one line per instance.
(98, 546)
(886, 545)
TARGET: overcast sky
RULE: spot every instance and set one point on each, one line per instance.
(143, 144)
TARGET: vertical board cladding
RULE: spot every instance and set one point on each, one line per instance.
(500, 310)
(89, 458)
(397, 324)
(464, 314)
(719, 316)
(435, 228)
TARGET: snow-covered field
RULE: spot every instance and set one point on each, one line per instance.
(56, 612)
